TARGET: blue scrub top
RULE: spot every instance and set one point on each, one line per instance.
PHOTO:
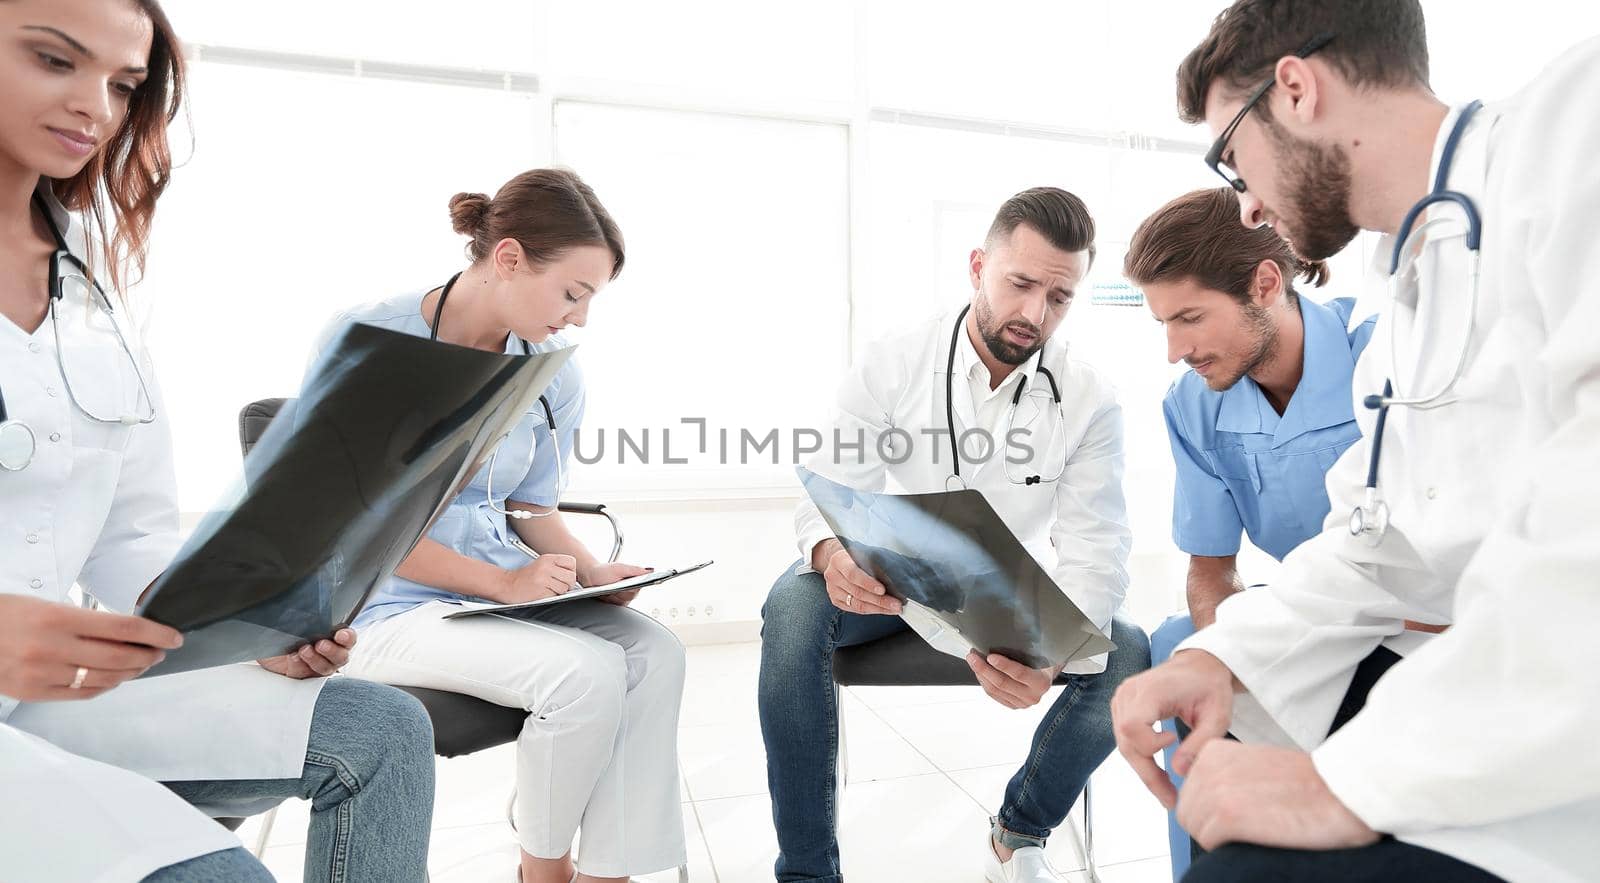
(525, 469)
(1243, 467)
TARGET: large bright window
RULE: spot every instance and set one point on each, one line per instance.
(497, 34)
(706, 51)
(732, 306)
(302, 194)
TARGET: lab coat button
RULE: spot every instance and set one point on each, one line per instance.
(1432, 493)
(55, 436)
(50, 391)
(33, 538)
(38, 583)
(33, 346)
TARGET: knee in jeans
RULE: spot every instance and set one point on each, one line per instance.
(1132, 654)
(410, 728)
(369, 726)
(411, 717)
(797, 612)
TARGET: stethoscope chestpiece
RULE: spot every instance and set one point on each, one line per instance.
(17, 445)
(1370, 520)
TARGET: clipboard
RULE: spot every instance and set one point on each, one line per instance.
(965, 579)
(633, 582)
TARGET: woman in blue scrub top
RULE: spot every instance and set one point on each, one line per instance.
(601, 682)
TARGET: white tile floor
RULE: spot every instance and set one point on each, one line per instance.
(948, 749)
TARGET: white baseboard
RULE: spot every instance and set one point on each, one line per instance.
(731, 632)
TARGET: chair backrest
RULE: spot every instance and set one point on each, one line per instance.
(255, 417)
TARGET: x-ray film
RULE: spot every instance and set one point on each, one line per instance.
(388, 429)
(959, 571)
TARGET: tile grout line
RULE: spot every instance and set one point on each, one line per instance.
(711, 857)
(698, 824)
(904, 738)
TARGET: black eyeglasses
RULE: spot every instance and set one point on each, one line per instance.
(1214, 155)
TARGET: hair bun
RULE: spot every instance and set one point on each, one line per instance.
(1315, 272)
(467, 211)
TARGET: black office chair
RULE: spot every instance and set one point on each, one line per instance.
(905, 660)
(461, 724)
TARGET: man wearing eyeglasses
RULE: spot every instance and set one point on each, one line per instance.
(1469, 498)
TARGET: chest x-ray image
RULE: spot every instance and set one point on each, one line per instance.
(951, 559)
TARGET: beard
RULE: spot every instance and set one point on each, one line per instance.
(1315, 181)
(1258, 322)
(992, 333)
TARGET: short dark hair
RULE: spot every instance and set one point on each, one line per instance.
(1060, 217)
(1381, 43)
(1198, 237)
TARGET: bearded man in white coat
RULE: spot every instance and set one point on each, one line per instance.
(1472, 757)
(1039, 434)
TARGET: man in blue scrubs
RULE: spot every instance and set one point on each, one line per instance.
(1265, 411)
(1267, 408)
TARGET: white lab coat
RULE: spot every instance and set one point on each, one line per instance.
(98, 507)
(1485, 742)
(1075, 526)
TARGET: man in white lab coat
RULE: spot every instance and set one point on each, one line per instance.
(1041, 437)
(1473, 757)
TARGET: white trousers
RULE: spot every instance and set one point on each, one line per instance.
(602, 686)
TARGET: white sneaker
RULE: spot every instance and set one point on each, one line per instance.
(1027, 865)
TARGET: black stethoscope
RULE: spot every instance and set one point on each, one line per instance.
(549, 419)
(17, 440)
(1371, 518)
(950, 410)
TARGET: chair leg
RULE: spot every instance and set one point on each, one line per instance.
(1090, 872)
(1084, 841)
(843, 747)
(267, 822)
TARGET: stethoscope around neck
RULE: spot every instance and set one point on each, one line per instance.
(549, 420)
(18, 442)
(1016, 398)
(1371, 518)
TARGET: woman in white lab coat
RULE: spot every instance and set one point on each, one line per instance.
(1475, 753)
(87, 497)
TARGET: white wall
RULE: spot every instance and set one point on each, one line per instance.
(792, 181)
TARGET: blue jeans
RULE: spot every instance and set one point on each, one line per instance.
(233, 865)
(1163, 641)
(369, 777)
(800, 725)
